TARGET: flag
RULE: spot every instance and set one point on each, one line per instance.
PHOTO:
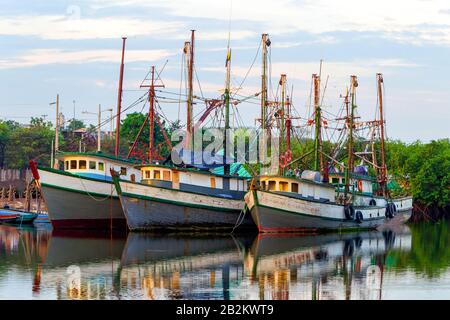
(228, 58)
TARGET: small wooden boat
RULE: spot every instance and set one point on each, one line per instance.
(17, 217)
(26, 218)
(6, 216)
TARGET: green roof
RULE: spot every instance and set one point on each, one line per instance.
(235, 168)
(98, 155)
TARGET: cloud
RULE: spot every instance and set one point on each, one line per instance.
(426, 20)
(61, 27)
(336, 69)
(39, 57)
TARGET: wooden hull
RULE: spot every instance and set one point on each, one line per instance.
(280, 213)
(78, 203)
(153, 208)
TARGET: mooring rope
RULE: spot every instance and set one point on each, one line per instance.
(91, 196)
(240, 218)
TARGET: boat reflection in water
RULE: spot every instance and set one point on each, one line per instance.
(329, 266)
(39, 264)
(182, 266)
(83, 264)
(22, 254)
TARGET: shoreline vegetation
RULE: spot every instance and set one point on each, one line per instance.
(420, 169)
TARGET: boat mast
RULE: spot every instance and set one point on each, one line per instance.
(265, 44)
(151, 97)
(350, 121)
(283, 113)
(119, 99)
(190, 58)
(227, 112)
(383, 170)
(318, 156)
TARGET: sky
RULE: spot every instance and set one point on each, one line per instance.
(73, 48)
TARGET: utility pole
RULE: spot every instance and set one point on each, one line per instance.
(112, 122)
(99, 119)
(119, 99)
(57, 125)
(99, 132)
(354, 85)
(383, 170)
(51, 154)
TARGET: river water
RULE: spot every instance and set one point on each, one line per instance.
(411, 262)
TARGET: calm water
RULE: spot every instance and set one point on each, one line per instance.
(409, 263)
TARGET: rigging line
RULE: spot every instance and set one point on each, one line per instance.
(198, 82)
(158, 74)
(139, 100)
(181, 85)
(248, 71)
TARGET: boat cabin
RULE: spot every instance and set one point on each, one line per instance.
(362, 184)
(97, 166)
(299, 188)
(192, 180)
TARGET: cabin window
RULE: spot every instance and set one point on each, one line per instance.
(73, 164)
(166, 175)
(101, 166)
(147, 174)
(133, 178)
(294, 187)
(335, 180)
(272, 185)
(82, 165)
(283, 186)
(67, 165)
(176, 177)
(343, 181)
(123, 171)
(92, 165)
(213, 183)
(263, 185)
(157, 174)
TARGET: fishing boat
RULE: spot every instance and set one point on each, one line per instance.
(186, 195)
(78, 188)
(83, 195)
(310, 201)
(173, 198)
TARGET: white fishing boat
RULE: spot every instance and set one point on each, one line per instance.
(171, 198)
(325, 198)
(83, 194)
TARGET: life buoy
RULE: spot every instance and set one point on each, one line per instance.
(372, 202)
(389, 214)
(349, 212)
(359, 217)
(288, 156)
(283, 162)
(394, 207)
